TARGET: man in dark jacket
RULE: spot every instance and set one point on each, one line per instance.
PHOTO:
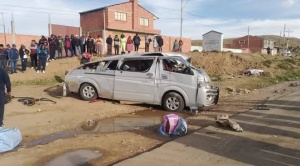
(109, 42)
(76, 43)
(42, 41)
(13, 58)
(3, 57)
(83, 43)
(90, 45)
(53, 47)
(160, 42)
(137, 42)
(4, 82)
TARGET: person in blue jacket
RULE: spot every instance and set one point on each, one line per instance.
(43, 55)
(13, 57)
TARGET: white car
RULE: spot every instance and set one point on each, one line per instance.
(165, 79)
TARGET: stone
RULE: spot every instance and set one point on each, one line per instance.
(247, 91)
(230, 89)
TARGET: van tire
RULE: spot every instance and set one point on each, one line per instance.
(88, 92)
(173, 102)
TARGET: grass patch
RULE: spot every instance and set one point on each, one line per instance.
(41, 82)
(216, 78)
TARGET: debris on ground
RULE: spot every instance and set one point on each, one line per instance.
(9, 139)
(230, 89)
(94, 101)
(295, 84)
(223, 120)
(173, 125)
(262, 107)
(253, 72)
(30, 101)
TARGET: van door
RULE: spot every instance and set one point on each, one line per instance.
(181, 76)
(135, 80)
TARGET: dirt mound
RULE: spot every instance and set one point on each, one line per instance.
(223, 63)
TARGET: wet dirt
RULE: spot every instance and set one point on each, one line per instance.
(126, 122)
(75, 158)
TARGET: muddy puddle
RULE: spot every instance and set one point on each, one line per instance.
(127, 122)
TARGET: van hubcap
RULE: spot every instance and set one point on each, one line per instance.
(88, 92)
(173, 103)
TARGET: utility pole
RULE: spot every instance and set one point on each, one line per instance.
(248, 38)
(4, 29)
(181, 19)
(49, 25)
(284, 35)
(13, 27)
(104, 29)
(287, 41)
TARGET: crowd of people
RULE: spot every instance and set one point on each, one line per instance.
(48, 49)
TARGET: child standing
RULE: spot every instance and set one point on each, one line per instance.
(24, 60)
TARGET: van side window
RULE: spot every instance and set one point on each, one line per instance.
(90, 66)
(112, 65)
(137, 65)
(175, 65)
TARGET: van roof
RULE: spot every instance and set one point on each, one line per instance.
(116, 57)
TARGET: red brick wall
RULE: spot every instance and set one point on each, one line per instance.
(64, 30)
(255, 43)
(117, 24)
(19, 39)
(91, 22)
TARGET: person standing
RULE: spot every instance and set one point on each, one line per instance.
(176, 46)
(68, 46)
(73, 45)
(76, 42)
(160, 42)
(123, 44)
(13, 58)
(43, 54)
(109, 41)
(89, 44)
(155, 44)
(117, 45)
(53, 47)
(137, 42)
(129, 44)
(3, 57)
(99, 45)
(4, 83)
(180, 45)
(147, 43)
(7, 52)
(23, 56)
(61, 44)
(42, 41)
(33, 54)
(83, 43)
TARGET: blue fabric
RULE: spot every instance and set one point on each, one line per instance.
(13, 54)
(9, 139)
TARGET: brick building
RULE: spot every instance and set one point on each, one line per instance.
(256, 44)
(126, 18)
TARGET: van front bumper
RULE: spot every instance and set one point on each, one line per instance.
(208, 97)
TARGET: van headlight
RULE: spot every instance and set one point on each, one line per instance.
(202, 83)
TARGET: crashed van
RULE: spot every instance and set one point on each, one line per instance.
(166, 79)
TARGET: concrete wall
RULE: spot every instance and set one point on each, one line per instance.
(64, 30)
(268, 43)
(212, 41)
(19, 39)
(233, 50)
(199, 48)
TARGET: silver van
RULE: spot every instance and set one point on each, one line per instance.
(166, 79)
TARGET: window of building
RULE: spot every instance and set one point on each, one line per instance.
(141, 65)
(242, 41)
(120, 16)
(144, 21)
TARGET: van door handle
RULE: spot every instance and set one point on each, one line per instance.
(149, 75)
(164, 76)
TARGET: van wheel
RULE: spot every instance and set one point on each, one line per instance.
(173, 102)
(88, 92)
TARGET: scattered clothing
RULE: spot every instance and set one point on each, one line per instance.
(9, 139)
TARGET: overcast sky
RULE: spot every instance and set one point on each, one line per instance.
(231, 17)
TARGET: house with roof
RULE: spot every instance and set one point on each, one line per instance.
(255, 44)
(212, 41)
(126, 18)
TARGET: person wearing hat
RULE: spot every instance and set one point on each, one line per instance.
(3, 58)
(13, 58)
(23, 52)
(4, 83)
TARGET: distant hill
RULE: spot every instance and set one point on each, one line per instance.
(294, 42)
